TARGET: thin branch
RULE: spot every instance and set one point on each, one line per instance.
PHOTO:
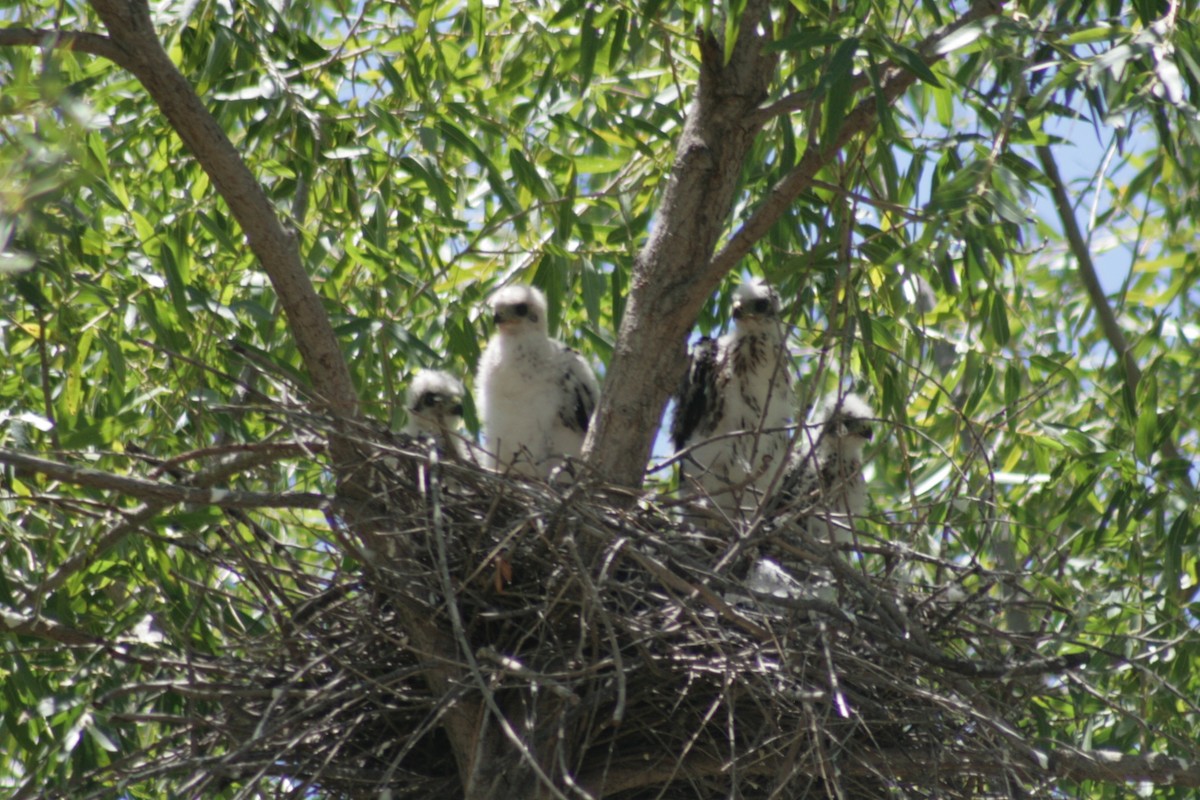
(40, 628)
(863, 118)
(1066, 763)
(1087, 269)
(796, 101)
(884, 205)
(83, 558)
(240, 457)
(1091, 282)
(91, 43)
(170, 493)
(132, 31)
(1113, 767)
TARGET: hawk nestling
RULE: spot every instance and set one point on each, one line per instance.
(435, 411)
(536, 394)
(734, 404)
(824, 479)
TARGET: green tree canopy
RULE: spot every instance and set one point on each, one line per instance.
(231, 232)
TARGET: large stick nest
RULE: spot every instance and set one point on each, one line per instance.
(627, 653)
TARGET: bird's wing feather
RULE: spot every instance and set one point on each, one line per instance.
(580, 390)
(696, 397)
(801, 483)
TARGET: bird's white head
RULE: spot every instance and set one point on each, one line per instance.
(755, 303)
(519, 309)
(434, 403)
(845, 423)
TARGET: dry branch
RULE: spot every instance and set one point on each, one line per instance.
(645, 671)
(163, 492)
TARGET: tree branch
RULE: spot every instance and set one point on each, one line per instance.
(79, 42)
(37, 627)
(132, 33)
(1066, 763)
(1091, 282)
(83, 558)
(676, 272)
(896, 81)
(170, 493)
(666, 291)
(1087, 269)
(1110, 766)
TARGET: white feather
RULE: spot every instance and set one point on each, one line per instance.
(825, 475)
(536, 394)
(434, 406)
(737, 444)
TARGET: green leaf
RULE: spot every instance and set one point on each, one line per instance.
(999, 320)
(1012, 387)
(1096, 33)
(959, 39)
(1181, 535)
(838, 78)
(733, 10)
(527, 175)
(478, 21)
(620, 29)
(176, 282)
(912, 61)
(590, 40)
(1146, 431)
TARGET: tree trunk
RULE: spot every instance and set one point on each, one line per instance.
(676, 272)
(670, 282)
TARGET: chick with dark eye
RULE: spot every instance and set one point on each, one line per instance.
(758, 307)
(825, 475)
(435, 409)
(516, 311)
(733, 408)
(536, 394)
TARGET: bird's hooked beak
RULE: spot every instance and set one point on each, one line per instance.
(860, 428)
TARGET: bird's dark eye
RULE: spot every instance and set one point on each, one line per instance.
(428, 400)
(762, 306)
(521, 309)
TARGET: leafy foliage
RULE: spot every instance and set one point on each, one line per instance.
(426, 153)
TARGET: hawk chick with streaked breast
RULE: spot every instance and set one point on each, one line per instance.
(734, 404)
(434, 403)
(536, 394)
(825, 479)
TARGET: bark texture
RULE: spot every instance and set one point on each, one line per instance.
(671, 279)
